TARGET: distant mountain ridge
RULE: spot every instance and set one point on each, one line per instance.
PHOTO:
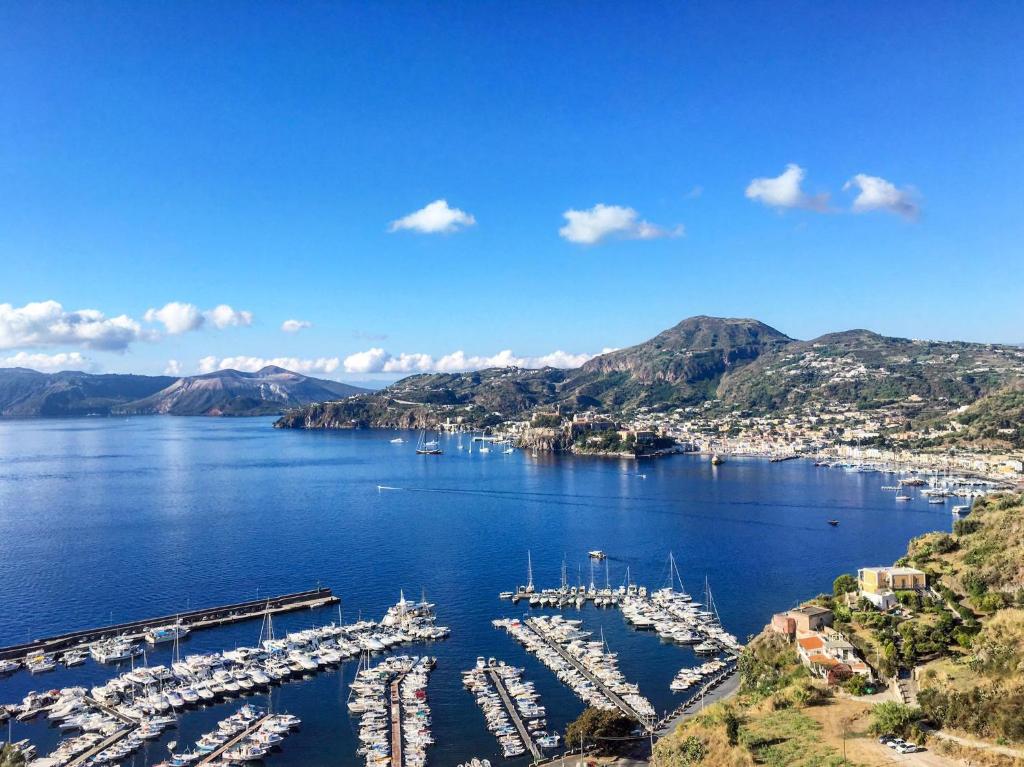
(28, 393)
(727, 363)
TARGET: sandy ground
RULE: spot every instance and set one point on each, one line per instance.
(850, 717)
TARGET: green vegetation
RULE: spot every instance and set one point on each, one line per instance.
(10, 756)
(603, 729)
(891, 718)
(844, 584)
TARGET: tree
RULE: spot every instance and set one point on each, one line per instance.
(11, 756)
(891, 718)
(594, 726)
(844, 584)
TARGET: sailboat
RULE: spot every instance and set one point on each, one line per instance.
(423, 447)
(529, 589)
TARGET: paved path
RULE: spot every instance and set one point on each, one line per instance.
(517, 720)
(725, 690)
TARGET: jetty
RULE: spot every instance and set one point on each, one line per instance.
(610, 694)
(396, 721)
(86, 756)
(214, 756)
(513, 712)
(207, 617)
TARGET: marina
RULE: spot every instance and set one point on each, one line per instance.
(271, 503)
(141, 703)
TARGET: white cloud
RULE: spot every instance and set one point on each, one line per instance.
(378, 360)
(321, 365)
(875, 193)
(178, 317)
(589, 227)
(784, 191)
(435, 218)
(47, 363)
(223, 316)
(173, 368)
(46, 323)
(294, 326)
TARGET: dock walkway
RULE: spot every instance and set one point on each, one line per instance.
(207, 617)
(396, 721)
(103, 745)
(129, 727)
(624, 707)
(513, 712)
(215, 756)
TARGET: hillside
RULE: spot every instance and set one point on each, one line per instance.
(966, 646)
(232, 392)
(27, 393)
(727, 364)
(865, 369)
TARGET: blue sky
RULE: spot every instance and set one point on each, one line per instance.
(256, 156)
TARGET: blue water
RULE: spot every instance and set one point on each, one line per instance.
(107, 520)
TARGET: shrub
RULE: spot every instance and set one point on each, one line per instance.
(895, 719)
(844, 584)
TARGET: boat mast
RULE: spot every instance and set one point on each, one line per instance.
(529, 571)
(607, 583)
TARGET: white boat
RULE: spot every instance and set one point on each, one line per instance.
(9, 666)
(162, 634)
(397, 441)
(596, 554)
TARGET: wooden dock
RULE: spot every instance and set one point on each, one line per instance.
(513, 712)
(207, 617)
(214, 756)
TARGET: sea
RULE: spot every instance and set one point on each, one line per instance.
(104, 520)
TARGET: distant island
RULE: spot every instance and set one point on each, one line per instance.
(26, 393)
(737, 385)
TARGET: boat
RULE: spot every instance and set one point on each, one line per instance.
(9, 666)
(834, 522)
(961, 509)
(424, 447)
(596, 554)
(716, 459)
(398, 441)
(169, 633)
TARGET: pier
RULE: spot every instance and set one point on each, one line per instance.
(208, 617)
(396, 721)
(513, 712)
(612, 696)
(214, 756)
(84, 757)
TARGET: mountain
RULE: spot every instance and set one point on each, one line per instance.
(26, 393)
(232, 392)
(29, 393)
(722, 363)
(681, 366)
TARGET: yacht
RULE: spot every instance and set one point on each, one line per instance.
(162, 634)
